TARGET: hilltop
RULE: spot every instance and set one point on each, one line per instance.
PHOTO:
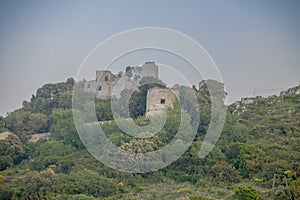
(260, 138)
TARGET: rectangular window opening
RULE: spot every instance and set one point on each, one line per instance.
(162, 101)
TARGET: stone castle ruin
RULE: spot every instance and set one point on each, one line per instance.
(108, 84)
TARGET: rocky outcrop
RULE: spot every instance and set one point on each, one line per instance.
(291, 91)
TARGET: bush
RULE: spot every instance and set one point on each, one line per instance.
(5, 193)
(246, 193)
(90, 183)
(199, 197)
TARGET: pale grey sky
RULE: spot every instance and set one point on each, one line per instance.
(255, 44)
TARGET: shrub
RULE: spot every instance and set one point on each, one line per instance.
(246, 193)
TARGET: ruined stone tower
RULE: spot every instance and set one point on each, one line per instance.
(159, 100)
(150, 69)
(105, 81)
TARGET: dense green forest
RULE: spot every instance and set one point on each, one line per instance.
(260, 138)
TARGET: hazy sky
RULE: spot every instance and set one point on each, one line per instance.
(255, 44)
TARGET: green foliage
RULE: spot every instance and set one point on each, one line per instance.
(10, 151)
(205, 115)
(75, 197)
(2, 124)
(258, 140)
(24, 123)
(141, 145)
(50, 153)
(199, 197)
(250, 160)
(172, 124)
(57, 148)
(246, 193)
(223, 171)
(295, 188)
(5, 193)
(5, 162)
(235, 132)
(103, 110)
(63, 128)
(214, 157)
(50, 97)
(39, 185)
(83, 181)
(119, 138)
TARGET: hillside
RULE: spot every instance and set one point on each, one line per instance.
(260, 138)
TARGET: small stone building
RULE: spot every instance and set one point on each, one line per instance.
(159, 100)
